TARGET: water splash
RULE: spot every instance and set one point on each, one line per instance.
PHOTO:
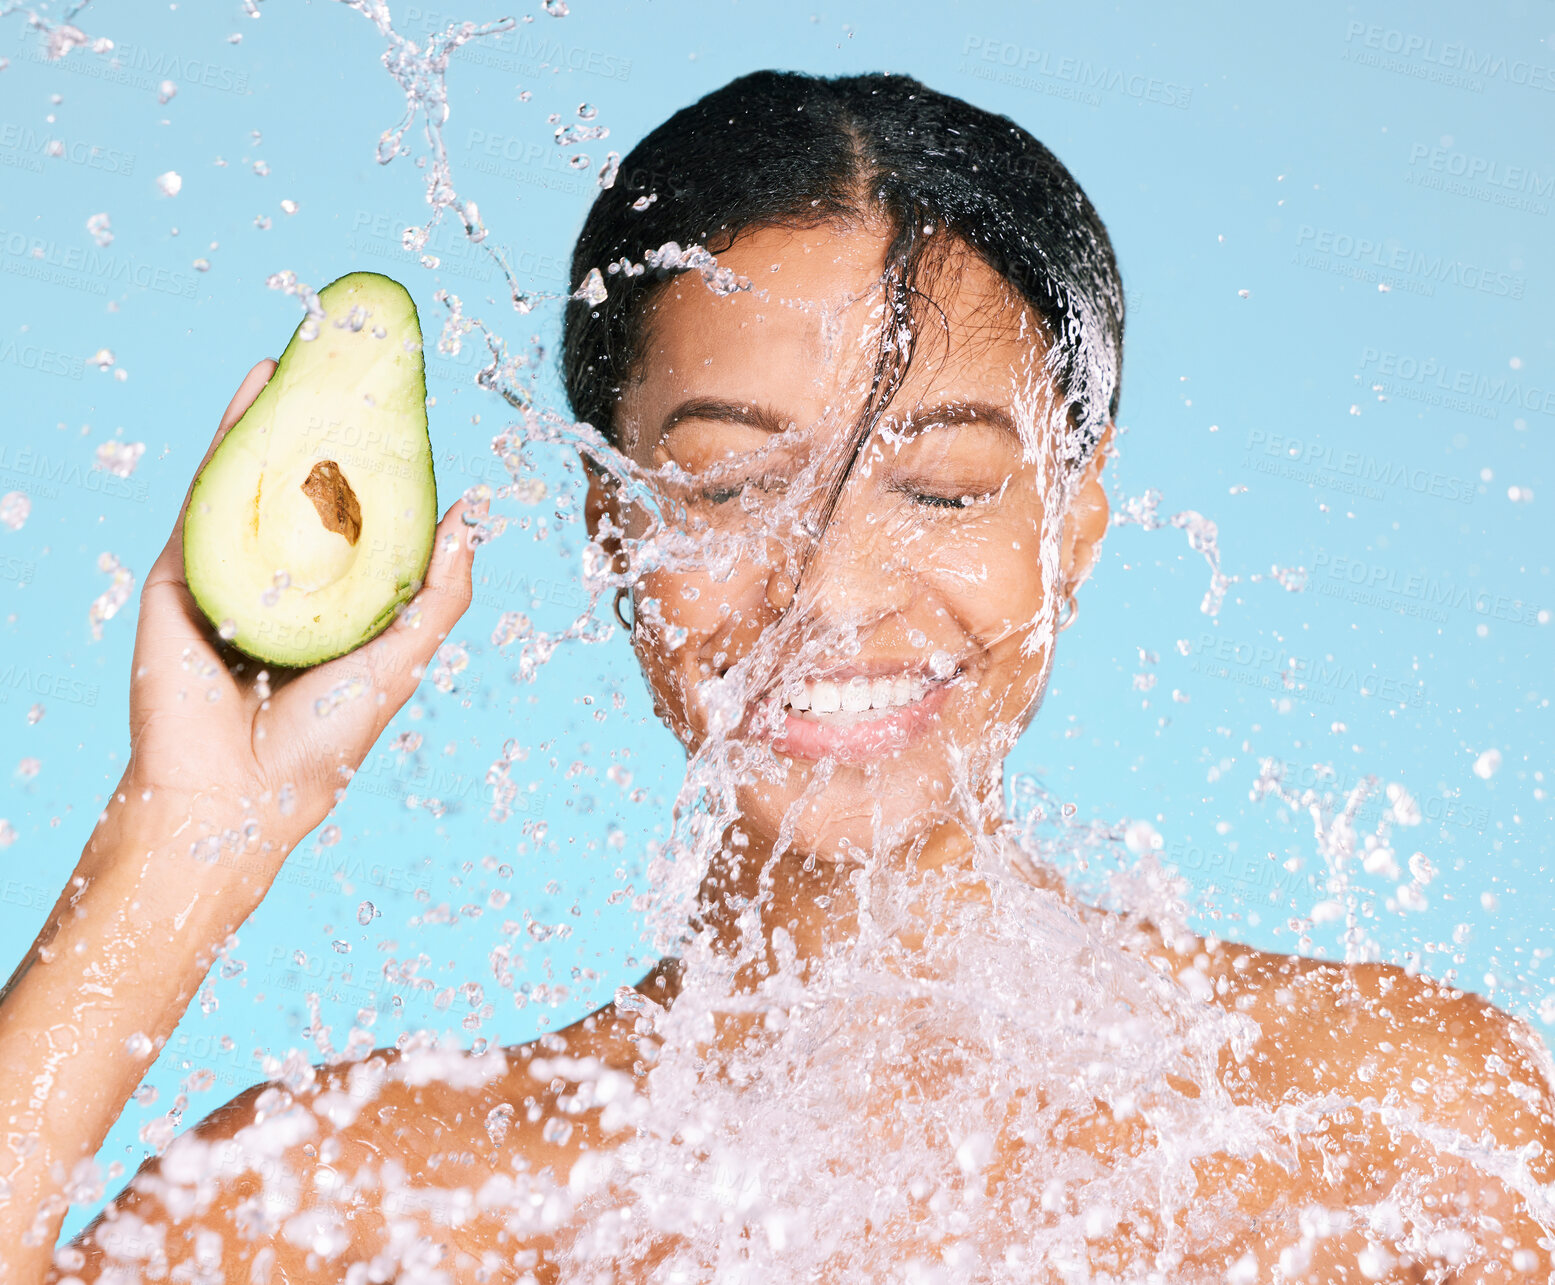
(1203, 537)
(1034, 1091)
(106, 605)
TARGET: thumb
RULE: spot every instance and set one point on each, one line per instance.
(248, 390)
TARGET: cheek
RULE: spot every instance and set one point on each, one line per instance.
(685, 599)
(990, 575)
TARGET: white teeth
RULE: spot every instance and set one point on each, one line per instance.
(825, 697)
(855, 695)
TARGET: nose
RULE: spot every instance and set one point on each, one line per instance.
(854, 574)
(858, 572)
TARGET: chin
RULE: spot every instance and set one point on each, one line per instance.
(860, 806)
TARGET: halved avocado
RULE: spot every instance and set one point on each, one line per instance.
(313, 520)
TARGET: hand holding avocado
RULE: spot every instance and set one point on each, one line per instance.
(308, 536)
(233, 758)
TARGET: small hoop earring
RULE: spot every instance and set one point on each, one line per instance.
(628, 625)
(1067, 618)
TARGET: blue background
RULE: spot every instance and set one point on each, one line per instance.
(1261, 175)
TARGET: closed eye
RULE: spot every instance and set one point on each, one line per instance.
(723, 494)
(940, 500)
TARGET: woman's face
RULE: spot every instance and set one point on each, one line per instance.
(874, 665)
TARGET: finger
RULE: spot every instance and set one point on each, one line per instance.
(390, 666)
(446, 593)
(171, 559)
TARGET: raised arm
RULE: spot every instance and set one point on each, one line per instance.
(229, 768)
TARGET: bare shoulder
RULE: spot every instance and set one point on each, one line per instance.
(304, 1174)
(1381, 1030)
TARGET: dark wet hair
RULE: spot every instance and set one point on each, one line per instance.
(786, 149)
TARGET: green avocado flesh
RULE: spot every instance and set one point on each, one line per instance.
(314, 518)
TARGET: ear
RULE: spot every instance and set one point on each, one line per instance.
(1085, 524)
(602, 512)
(601, 509)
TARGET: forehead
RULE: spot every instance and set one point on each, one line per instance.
(805, 336)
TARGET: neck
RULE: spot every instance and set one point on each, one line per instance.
(815, 901)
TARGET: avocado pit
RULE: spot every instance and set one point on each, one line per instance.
(334, 500)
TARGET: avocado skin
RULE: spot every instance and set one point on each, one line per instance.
(345, 397)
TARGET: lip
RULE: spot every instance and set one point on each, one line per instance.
(809, 738)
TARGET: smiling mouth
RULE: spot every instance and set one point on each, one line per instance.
(846, 702)
(858, 716)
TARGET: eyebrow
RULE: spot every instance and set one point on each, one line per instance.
(769, 421)
(729, 412)
(960, 412)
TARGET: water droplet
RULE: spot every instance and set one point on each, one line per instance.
(592, 291)
(366, 913)
(498, 1121)
(107, 603)
(14, 508)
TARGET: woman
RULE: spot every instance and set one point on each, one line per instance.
(854, 376)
